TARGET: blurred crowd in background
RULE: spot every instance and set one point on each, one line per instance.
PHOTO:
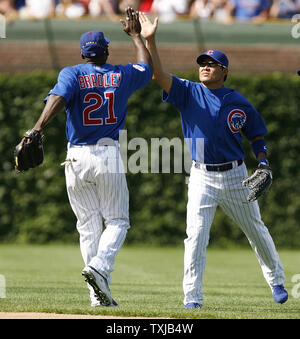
(225, 11)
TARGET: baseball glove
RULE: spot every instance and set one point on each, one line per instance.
(29, 152)
(259, 182)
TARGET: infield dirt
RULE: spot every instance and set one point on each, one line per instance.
(32, 315)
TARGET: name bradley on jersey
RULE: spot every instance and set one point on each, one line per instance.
(99, 80)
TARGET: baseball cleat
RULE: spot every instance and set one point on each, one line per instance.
(193, 305)
(97, 303)
(99, 285)
(280, 294)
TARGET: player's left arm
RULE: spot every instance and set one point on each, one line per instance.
(255, 130)
(58, 97)
(54, 105)
(260, 181)
(259, 148)
(29, 152)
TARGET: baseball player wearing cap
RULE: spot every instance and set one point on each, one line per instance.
(213, 118)
(95, 96)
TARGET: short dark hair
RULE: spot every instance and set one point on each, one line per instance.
(101, 59)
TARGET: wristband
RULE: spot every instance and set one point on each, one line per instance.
(263, 161)
(259, 146)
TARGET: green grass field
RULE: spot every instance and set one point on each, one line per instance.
(146, 283)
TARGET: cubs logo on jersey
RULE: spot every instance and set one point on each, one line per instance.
(236, 120)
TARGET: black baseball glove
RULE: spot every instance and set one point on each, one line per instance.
(259, 182)
(29, 152)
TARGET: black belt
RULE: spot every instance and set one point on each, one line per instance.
(222, 168)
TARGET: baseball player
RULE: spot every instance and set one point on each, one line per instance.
(213, 118)
(95, 96)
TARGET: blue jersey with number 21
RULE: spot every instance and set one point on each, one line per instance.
(96, 98)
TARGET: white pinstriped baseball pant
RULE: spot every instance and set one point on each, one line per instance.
(206, 191)
(97, 191)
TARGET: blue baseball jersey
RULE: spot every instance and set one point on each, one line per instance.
(96, 98)
(213, 120)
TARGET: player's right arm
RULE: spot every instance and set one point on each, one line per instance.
(132, 27)
(163, 78)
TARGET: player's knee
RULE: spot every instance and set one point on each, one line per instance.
(118, 223)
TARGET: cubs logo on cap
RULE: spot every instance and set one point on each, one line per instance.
(236, 120)
(216, 55)
(93, 43)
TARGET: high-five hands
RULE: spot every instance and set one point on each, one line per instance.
(131, 25)
(148, 28)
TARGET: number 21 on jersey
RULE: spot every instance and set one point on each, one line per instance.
(96, 101)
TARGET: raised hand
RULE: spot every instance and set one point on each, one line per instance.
(148, 28)
(131, 25)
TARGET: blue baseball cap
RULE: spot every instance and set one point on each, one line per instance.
(298, 72)
(216, 55)
(93, 43)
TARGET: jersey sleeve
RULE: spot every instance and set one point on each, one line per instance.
(255, 124)
(65, 86)
(136, 75)
(265, 5)
(178, 94)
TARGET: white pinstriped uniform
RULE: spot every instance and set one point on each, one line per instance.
(97, 190)
(96, 106)
(206, 191)
(215, 120)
